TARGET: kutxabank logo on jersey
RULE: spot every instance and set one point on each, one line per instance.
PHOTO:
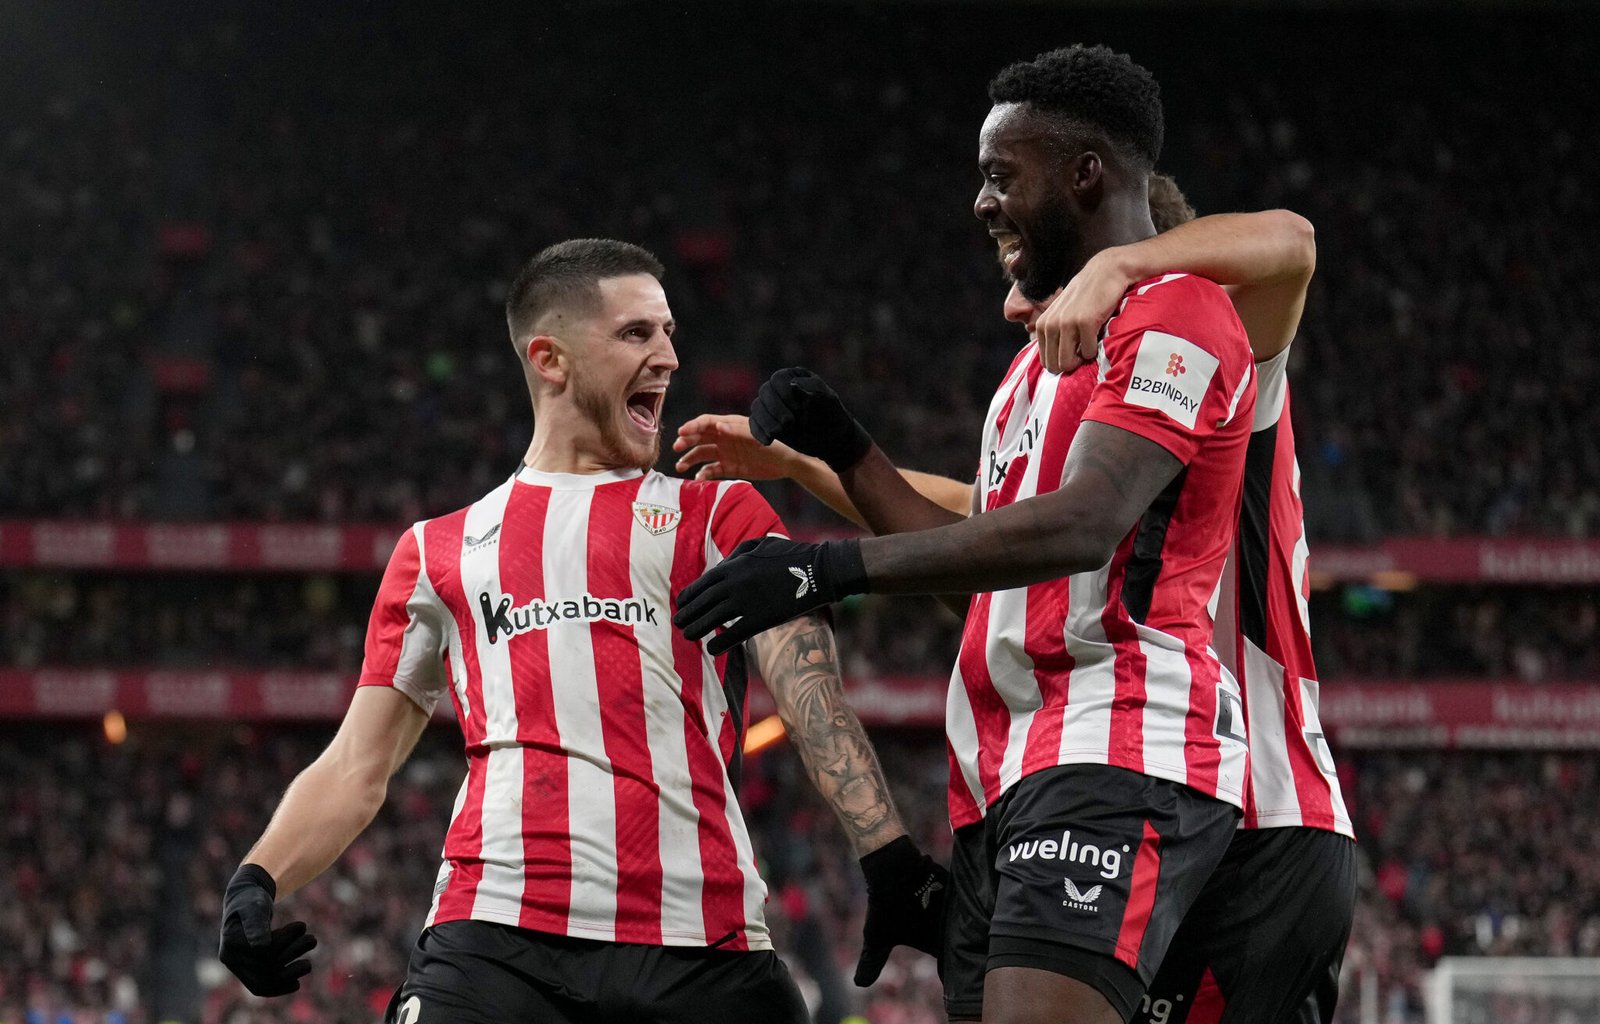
(503, 617)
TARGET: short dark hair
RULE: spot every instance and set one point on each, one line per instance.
(569, 274)
(1093, 88)
(1169, 207)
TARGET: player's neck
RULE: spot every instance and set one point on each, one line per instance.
(554, 450)
(1122, 219)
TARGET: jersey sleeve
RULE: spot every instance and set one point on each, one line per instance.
(741, 514)
(1272, 385)
(1175, 365)
(406, 632)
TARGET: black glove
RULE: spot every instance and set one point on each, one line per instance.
(766, 582)
(268, 960)
(906, 893)
(799, 408)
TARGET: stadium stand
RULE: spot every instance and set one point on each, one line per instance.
(277, 303)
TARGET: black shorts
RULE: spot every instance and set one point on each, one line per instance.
(476, 972)
(1083, 870)
(1266, 938)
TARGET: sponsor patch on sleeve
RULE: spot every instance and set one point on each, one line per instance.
(1170, 375)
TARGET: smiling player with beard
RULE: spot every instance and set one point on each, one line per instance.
(1094, 736)
(597, 867)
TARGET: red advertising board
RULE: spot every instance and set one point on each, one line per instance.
(1365, 713)
(365, 547)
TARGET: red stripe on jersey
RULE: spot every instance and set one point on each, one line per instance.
(620, 678)
(722, 892)
(1045, 645)
(989, 709)
(963, 809)
(1125, 748)
(463, 848)
(546, 833)
(1208, 1001)
(742, 515)
(390, 617)
(463, 844)
(1141, 897)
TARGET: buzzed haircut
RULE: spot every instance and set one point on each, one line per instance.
(568, 275)
(1169, 207)
(1090, 89)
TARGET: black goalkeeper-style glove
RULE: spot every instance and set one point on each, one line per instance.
(798, 408)
(906, 894)
(268, 960)
(767, 582)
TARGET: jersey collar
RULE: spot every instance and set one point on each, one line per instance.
(574, 481)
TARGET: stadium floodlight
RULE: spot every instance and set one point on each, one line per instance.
(1514, 990)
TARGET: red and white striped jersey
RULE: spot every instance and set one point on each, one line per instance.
(1265, 604)
(1114, 666)
(602, 747)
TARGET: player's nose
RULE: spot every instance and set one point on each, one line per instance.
(986, 205)
(665, 355)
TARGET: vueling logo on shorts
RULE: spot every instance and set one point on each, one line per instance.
(501, 618)
(1108, 861)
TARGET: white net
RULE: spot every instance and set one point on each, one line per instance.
(1514, 990)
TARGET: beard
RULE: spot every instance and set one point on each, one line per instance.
(600, 409)
(1050, 244)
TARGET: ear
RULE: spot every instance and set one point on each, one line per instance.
(549, 361)
(1085, 172)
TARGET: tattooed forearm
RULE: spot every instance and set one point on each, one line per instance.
(801, 667)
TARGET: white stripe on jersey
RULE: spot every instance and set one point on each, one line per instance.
(678, 820)
(591, 789)
(499, 896)
(1164, 735)
(480, 574)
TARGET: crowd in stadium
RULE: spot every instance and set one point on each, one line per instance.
(1460, 855)
(278, 308)
(304, 323)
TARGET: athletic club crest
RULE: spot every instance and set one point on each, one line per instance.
(658, 519)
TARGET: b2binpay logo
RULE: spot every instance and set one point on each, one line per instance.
(501, 618)
(1072, 852)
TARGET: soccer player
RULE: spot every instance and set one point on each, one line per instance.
(1266, 937)
(1098, 743)
(597, 867)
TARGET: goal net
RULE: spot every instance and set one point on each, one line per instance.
(1514, 990)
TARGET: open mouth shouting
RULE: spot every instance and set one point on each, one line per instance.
(644, 407)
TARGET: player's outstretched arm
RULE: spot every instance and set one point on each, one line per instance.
(722, 448)
(321, 814)
(906, 889)
(1110, 478)
(1266, 259)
